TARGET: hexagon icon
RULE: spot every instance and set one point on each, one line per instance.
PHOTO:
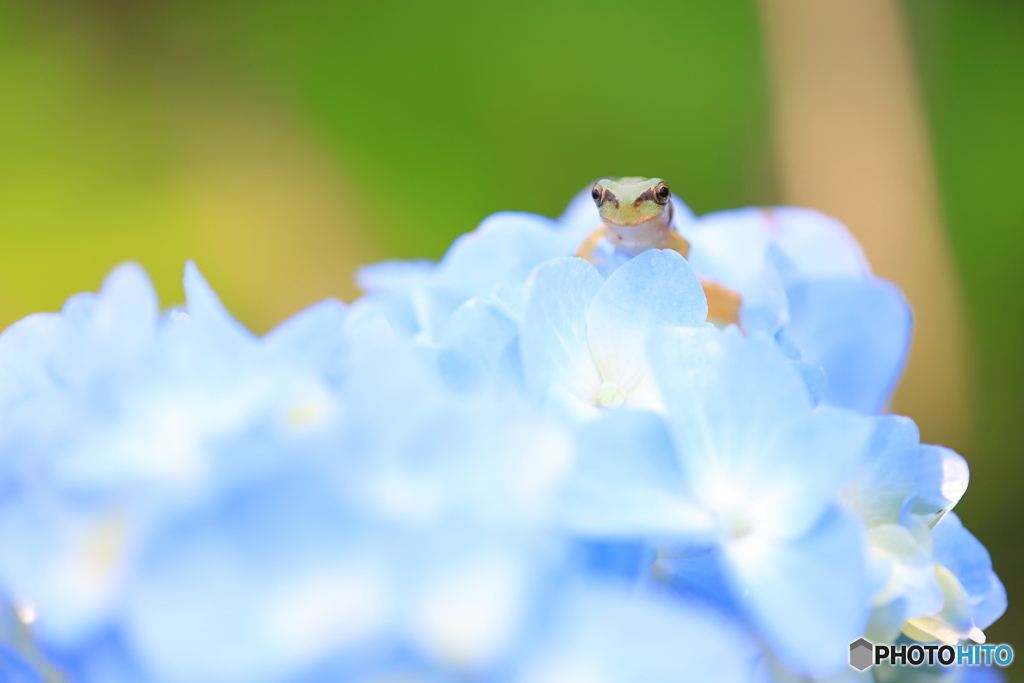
(861, 654)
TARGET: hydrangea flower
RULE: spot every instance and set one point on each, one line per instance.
(801, 275)
(492, 262)
(582, 337)
(510, 466)
(744, 469)
(800, 272)
(935, 580)
(113, 418)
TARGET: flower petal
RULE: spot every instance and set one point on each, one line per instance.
(808, 599)
(553, 335)
(395, 275)
(605, 636)
(311, 336)
(858, 330)
(726, 397)
(480, 340)
(498, 256)
(957, 549)
(813, 245)
(912, 573)
(941, 480)
(799, 473)
(208, 314)
(626, 481)
(886, 478)
(653, 289)
(992, 606)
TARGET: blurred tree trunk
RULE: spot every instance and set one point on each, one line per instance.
(852, 141)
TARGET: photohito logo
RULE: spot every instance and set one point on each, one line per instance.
(864, 653)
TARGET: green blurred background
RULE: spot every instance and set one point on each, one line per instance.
(280, 143)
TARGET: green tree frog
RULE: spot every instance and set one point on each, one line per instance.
(636, 215)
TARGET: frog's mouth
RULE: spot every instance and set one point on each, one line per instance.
(639, 221)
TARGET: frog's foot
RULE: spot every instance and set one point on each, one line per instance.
(723, 304)
(673, 240)
(586, 250)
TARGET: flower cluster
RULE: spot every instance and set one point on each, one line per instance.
(510, 465)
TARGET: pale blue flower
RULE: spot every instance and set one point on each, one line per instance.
(745, 469)
(959, 551)
(307, 507)
(934, 580)
(404, 488)
(802, 273)
(601, 635)
(492, 262)
(114, 425)
(582, 338)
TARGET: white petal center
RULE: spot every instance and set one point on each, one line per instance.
(610, 395)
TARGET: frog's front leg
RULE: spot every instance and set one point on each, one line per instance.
(723, 304)
(673, 240)
(589, 245)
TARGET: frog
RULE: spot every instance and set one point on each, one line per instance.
(637, 215)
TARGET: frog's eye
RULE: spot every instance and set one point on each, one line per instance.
(661, 193)
(596, 193)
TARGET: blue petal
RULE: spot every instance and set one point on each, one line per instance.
(958, 550)
(311, 337)
(395, 275)
(624, 559)
(730, 246)
(809, 599)
(625, 481)
(682, 214)
(979, 674)
(942, 477)
(26, 350)
(992, 606)
(498, 256)
(815, 379)
(207, 601)
(613, 637)
(396, 309)
(697, 570)
(655, 288)
(859, 331)
(886, 478)
(795, 484)
(127, 306)
(553, 336)
(726, 397)
(814, 246)
(208, 313)
(480, 340)
(910, 570)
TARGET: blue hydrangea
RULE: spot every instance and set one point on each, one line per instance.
(508, 466)
(803, 278)
(934, 579)
(735, 472)
(582, 337)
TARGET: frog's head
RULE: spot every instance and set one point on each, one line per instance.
(632, 201)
